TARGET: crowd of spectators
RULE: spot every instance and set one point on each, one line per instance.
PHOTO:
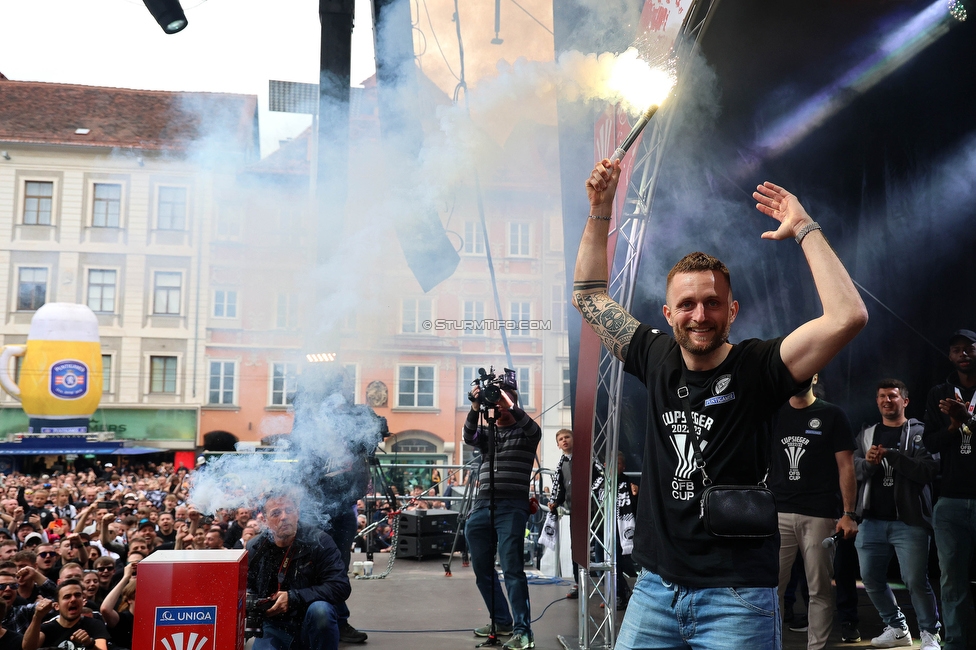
(78, 536)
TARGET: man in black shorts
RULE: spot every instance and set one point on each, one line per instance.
(70, 630)
(695, 588)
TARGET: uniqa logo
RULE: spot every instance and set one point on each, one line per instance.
(193, 641)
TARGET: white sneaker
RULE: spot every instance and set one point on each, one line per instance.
(892, 637)
(930, 641)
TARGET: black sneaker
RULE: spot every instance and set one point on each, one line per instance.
(799, 624)
(349, 634)
(849, 633)
(573, 593)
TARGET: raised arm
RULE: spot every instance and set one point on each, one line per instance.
(609, 320)
(810, 346)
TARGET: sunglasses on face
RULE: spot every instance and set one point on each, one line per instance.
(105, 568)
(46, 554)
(11, 586)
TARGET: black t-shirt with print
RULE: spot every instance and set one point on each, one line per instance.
(803, 474)
(56, 636)
(733, 405)
(883, 481)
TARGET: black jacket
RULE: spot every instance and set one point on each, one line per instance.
(315, 572)
(915, 469)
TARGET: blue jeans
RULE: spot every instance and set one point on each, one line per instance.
(876, 541)
(319, 631)
(664, 616)
(511, 516)
(955, 536)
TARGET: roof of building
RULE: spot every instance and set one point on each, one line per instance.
(92, 116)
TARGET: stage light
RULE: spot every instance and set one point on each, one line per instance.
(168, 13)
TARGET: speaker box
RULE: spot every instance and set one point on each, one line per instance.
(417, 547)
(428, 522)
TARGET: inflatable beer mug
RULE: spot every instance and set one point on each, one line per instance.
(60, 383)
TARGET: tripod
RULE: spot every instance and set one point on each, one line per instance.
(463, 510)
(378, 483)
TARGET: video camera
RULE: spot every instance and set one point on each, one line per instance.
(490, 385)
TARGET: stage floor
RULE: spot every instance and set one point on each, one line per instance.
(417, 607)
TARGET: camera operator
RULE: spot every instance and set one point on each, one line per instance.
(516, 439)
(298, 573)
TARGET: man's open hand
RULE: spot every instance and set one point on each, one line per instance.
(775, 202)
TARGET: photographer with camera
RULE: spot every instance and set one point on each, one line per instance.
(514, 443)
(296, 582)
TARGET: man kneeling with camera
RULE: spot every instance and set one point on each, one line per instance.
(295, 581)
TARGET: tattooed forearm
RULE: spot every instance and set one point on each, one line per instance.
(609, 320)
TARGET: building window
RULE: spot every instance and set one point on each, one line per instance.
(106, 373)
(524, 386)
(474, 238)
(468, 375)
(38, 198)
(162, 375)
(521, 313)
(101, 290)
(228, 224)
(284, 382)
(31, 288)
(166, 293)
(558, 309)
(567, 389)
(414, 446)
(415, 387)
(286, 316)
(225, 304)
(107, 206)
(474, 310)
(18, 364)
(518, 239)
(172, 208)
(415, 312)
(221, 382)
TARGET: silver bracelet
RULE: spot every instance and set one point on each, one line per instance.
(806, 230)
(599, 218)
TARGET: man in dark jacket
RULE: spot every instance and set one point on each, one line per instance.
(949, 426)
(300, 572)
(893, 472)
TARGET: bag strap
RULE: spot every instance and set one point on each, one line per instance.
(699, 457)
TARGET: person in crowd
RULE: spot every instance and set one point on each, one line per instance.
(8, 548)
(735, 390)
(118, 609)
(894, 470)
(236, 528)
(63, 509)
(90, 585)
(9, 640)
(104, 568)
(214, 539)
(516, 439)
(69, 625)
(812, 477)
(562, 495)
(300, 570)
(47, 558)
(949, 427)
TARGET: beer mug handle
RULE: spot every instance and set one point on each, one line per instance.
(5, 381)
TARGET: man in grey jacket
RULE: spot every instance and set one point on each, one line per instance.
(894, 498)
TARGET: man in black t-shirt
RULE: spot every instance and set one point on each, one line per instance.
(812, 476)
(949, 427)
(726, 587)
(893, 472)
(70, 630)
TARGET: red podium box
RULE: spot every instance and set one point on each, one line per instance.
(191, 600)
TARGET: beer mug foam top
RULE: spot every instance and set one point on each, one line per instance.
(61, 370)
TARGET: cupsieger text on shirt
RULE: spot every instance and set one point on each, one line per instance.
(733, 405)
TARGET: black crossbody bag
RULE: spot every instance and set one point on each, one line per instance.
(730, 511)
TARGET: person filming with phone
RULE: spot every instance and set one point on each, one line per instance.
(297, 577)
(895, 500)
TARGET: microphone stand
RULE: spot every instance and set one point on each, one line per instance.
(490, 413)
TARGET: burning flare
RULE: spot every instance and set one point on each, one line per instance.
(639, 85)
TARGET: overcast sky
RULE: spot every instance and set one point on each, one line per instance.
(231, 46)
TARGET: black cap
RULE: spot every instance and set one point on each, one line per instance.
(969, 335)
(4, 531)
